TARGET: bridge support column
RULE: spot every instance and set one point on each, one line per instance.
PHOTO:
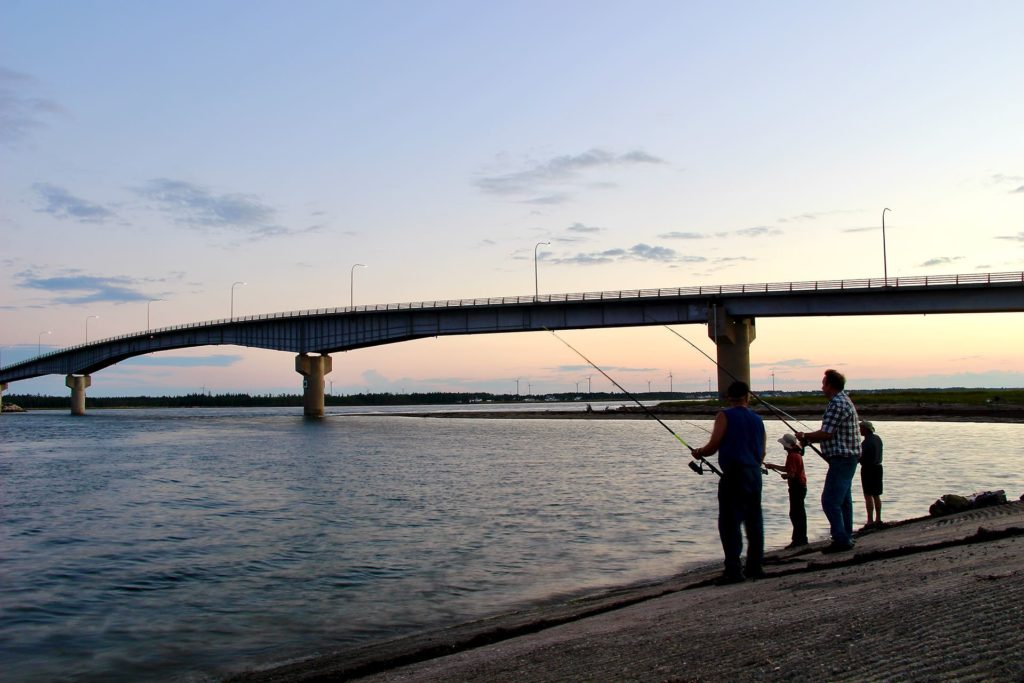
(3, 388)
(732, 337)
(78, 384)
(313, 369)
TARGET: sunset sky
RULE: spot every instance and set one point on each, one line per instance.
(153, 154)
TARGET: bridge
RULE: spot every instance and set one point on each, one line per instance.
(729, 311)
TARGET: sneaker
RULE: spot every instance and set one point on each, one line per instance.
(795, 544)
(727, 579)
(755, 574)
(836, 548)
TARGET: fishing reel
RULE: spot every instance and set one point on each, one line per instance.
(696, 467)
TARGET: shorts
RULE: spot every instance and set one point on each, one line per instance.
(871, 479)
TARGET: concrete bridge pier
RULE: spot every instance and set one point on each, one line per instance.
(732, 337)
(3, 388)
(313, 369)
(78, 384)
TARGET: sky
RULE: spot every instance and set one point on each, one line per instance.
(152, 155)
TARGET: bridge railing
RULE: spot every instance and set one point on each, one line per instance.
(970, 279)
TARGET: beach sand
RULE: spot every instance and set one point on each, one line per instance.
(929, 599)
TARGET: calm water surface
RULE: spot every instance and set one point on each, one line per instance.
(189, 544)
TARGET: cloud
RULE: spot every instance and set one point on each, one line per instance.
(540, 183)
(784, 363)
(815, 215)
(60, 203)
(941, 261)
(1019, 237)
(549, 200)
(638, 252)
(1019, 190)
(578, 233)
(579, 227)
(20, 114)
(74, 288)
(676, 235)
(757, 231)
(579, 369)
(870, 228)
(196, 206)
(212, 361)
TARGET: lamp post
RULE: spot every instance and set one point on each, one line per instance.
(885, 262)
(670, 382)
(517, 386)
(352, 284)
(87, 327)
(39, 341)
(148, 327)
(773, 380)
(588, 384)
(233, 285)
(536, 280)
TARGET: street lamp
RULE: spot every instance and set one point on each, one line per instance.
(87, 327)
(39, 341)
(885, 263)
(352, 284)
(670, 382)
(233, 285)
(147, 311)
(536, 281)
(773, 380)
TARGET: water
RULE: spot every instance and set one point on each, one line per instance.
(189, 544)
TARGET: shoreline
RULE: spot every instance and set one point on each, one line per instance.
(897, 602)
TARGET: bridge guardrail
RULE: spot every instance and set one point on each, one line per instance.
(697, 290)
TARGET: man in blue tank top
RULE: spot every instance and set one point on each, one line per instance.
(738, 437)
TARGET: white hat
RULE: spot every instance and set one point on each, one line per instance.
(868, 426)
(789, 442)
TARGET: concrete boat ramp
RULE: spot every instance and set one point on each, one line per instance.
(937, 598)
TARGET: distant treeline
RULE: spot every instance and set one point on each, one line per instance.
(203, 400)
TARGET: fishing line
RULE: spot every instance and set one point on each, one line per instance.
(780, 414)
(637, 401)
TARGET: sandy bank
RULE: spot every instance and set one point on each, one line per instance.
(929, 599)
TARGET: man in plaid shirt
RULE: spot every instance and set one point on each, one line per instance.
(840, 445)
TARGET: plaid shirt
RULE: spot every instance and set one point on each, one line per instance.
(841, 421)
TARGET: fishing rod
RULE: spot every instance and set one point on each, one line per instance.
(698, 468)
(780, 414)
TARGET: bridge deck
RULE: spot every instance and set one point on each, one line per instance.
(337, 329)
